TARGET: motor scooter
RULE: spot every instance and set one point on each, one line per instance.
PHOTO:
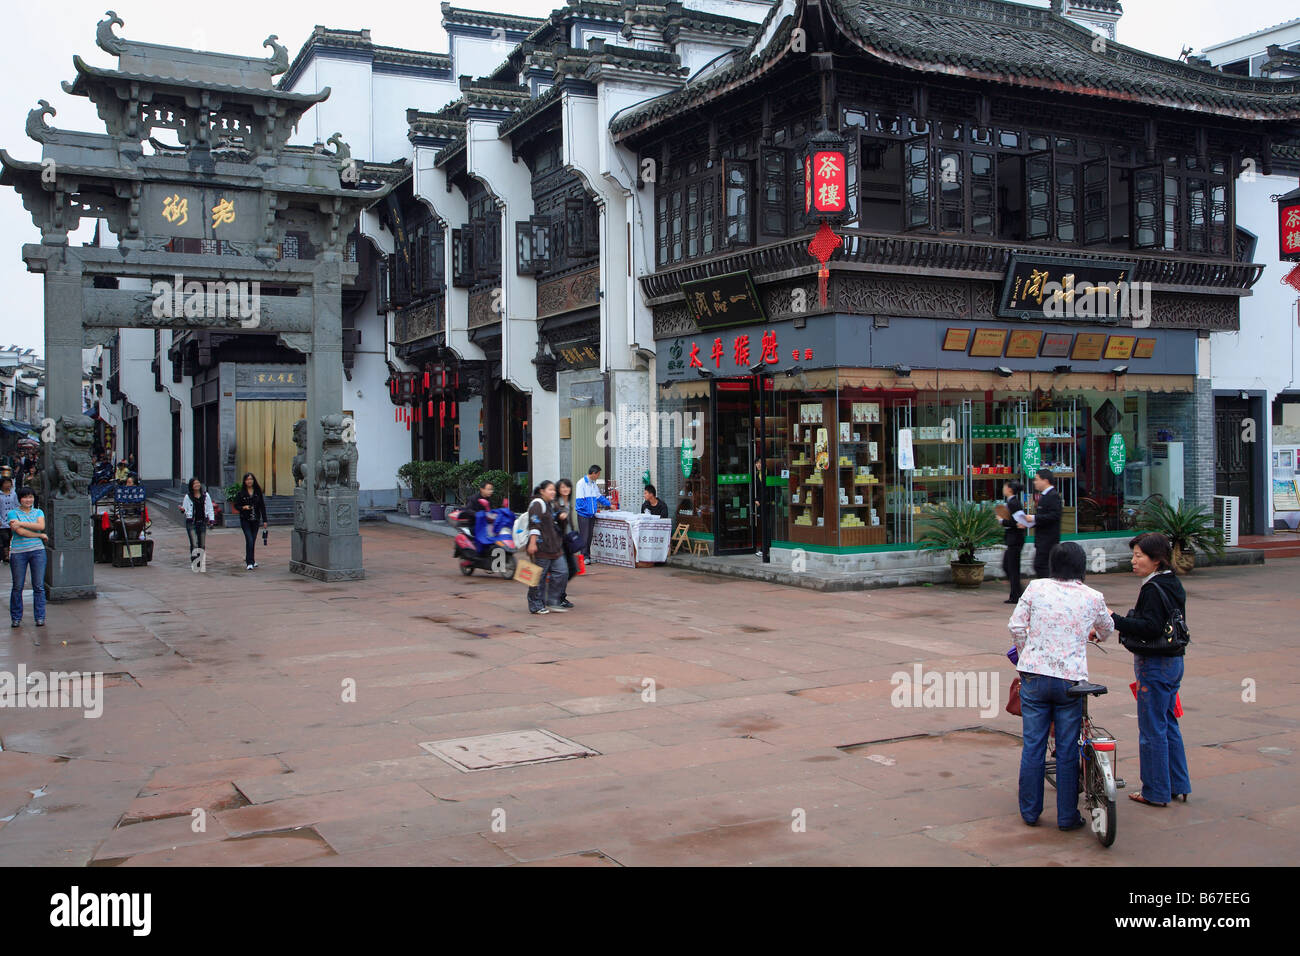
(485, 540)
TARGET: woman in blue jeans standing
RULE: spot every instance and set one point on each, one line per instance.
(1161, 755)
(1053, 621)
(27, 550)
(251, 506)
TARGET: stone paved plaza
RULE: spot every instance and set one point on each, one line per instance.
(225, 692)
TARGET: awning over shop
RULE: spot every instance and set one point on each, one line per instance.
(950, 380)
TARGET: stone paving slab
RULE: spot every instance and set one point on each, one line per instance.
(768, 700)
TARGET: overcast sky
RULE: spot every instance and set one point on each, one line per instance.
(45, 35)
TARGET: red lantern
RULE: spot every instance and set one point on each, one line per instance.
(1288, 227)
(826, 182)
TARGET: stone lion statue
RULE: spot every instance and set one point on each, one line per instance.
(299, 467)
(337, 467)
(70, 465)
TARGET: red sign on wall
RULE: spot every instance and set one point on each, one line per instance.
(826, 180)
(1288, 227)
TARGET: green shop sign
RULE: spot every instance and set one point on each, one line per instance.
(688, 460)
(1117, 453)
(740, 479)
(1031, 454)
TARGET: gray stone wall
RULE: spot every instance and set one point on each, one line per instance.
(1190, 417)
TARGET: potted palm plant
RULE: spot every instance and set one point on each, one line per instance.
(1189, 528)
(962, 527)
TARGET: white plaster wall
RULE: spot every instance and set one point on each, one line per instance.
(348, 110)
(154, 459)
(393, 95)
(511, 183)
(477, 56)
(181, 391)
(383, 445)
(754, 10)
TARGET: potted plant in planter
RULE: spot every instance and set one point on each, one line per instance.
(1189, 529)
(437, 478)
(231, 492)
(962, 527)
(464, 480)
(410, 476)
(502, 485)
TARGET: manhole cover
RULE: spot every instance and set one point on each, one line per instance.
(514, 749)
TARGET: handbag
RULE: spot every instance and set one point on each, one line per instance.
(1013, 698)
(526, 572)
(1170, 642)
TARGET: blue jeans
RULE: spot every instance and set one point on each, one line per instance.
(555, 575)
(250, 539)
(1043, 702)
(19, 562)
(1161, 758)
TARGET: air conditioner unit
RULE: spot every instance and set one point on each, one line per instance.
(1226, 510)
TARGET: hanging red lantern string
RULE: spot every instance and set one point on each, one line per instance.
(1292, 278)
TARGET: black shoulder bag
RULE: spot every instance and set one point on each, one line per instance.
(1173, 639)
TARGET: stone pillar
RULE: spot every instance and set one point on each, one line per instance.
(329, 534)
(70, 572)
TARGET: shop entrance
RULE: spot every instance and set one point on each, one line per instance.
(734, 467)
(1234, 460)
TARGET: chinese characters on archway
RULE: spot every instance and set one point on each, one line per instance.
(741, 351)
(176, 210)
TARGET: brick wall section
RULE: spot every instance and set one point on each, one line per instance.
(1190, 417)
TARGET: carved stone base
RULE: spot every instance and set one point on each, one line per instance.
(327, 574)
(70, 563)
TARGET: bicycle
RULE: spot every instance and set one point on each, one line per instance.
(1098, 760)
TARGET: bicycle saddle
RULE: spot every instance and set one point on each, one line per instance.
(1083, 687)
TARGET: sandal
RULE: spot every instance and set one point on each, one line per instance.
(1138, 798)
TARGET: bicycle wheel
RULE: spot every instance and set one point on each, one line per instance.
(1101, 809)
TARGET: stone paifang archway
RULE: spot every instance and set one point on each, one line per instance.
(235, 179)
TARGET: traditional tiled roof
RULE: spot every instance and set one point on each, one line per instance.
(1024, 46)
(1101, 6)
(433, 124)
(484, 18)
(1010, 45)
(534, 107)
(328, 37)
(672, 18)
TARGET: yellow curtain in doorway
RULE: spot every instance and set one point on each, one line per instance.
(264, 442)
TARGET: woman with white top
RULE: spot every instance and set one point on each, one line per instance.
(1052, 624)
(199, 514)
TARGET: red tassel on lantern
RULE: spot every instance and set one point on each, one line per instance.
(822, 247)
(431, 408)
(442, 414)
(453, 411)
(426, 380)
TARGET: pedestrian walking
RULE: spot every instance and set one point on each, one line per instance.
(8, 503)
(27, 550)
(1052, 624)
(1014, 537)
(546, 551)
(563, 507)
(587, 502)
(199, 514)
(251, 505)
(1046, 521)
(1158, 668)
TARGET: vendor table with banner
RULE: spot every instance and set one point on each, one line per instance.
(624, 538)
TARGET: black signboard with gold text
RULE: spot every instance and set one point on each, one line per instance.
(1033, 282)
(721, 301)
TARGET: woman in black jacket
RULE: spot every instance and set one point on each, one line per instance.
(251, 506)
(1161, 756)
(1014, 537)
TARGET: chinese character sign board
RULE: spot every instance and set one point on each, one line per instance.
(206, 212)
(720, 301)
(826, 183)
(1288, 226)
(1036, 284)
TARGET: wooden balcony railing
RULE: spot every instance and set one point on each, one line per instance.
(951, 257)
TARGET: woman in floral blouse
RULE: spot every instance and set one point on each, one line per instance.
(1052, 624)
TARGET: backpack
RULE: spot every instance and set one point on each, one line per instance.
(520, 530)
